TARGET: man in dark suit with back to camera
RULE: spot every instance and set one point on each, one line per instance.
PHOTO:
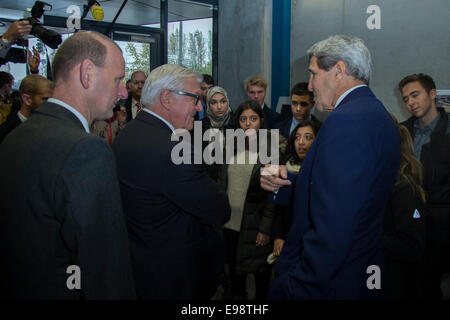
(173, 210)
(62, 229)
(334, 249)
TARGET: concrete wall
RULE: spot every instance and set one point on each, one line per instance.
(245, 45)
(414, 37)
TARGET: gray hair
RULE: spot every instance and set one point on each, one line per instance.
(213, 91)
(167, 76)
(350, 50)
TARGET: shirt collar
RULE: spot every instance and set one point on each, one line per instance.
(21, 117)
(346, 93)
(80, 117)
(430, 127)
(297, 122)
(160, 118)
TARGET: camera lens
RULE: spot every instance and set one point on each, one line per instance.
(49, 37)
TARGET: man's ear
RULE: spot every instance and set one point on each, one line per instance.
(87, 72)
(433, 94)
(340, 69)
(165, 98)
(26, 99)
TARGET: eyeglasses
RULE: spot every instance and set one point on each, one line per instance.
(252, 119)
(184, 93)
(297, 103)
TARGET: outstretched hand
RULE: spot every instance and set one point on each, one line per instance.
(274, 177)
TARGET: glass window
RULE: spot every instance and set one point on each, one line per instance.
(190, 44)
(136, 55)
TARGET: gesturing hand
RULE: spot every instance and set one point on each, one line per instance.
(34, 60)
(273, 177)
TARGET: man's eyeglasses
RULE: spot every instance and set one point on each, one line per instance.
(297, 103)
(184, 93)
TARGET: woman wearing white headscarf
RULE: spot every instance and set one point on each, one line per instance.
(218, 113)
(218, 116)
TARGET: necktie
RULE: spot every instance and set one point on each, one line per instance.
(139, 107)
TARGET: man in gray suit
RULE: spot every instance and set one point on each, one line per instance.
(62, 230)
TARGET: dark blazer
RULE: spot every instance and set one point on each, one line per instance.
(60, 206)
(172, 212)
(271, 117)
(339, 198)
(10, 124)
(285, 125)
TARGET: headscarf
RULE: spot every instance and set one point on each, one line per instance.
(217, 122)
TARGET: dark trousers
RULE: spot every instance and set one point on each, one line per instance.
(237, 281)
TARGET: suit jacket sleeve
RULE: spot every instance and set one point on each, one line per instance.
(190, 187)
(340, 185)
(93, 225)
(284, 195)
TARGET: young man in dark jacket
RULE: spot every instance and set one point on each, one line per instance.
(429, 127)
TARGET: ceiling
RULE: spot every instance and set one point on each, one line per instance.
(135, 12)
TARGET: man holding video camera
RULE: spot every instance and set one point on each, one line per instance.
(17, 30)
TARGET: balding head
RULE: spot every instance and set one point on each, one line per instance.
(137, 83)
(82, 45)
(88, 71)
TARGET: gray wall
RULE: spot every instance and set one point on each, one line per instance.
(414, 37)
(245, 45)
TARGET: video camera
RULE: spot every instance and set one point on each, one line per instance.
(48, 37)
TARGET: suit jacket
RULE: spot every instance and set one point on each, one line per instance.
(10, 124)
(60, 206)
(285, 125)
(339, 198)
(272, 117)
(172, 212)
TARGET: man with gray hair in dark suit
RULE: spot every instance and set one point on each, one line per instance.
(174, 210)
(62, 230)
